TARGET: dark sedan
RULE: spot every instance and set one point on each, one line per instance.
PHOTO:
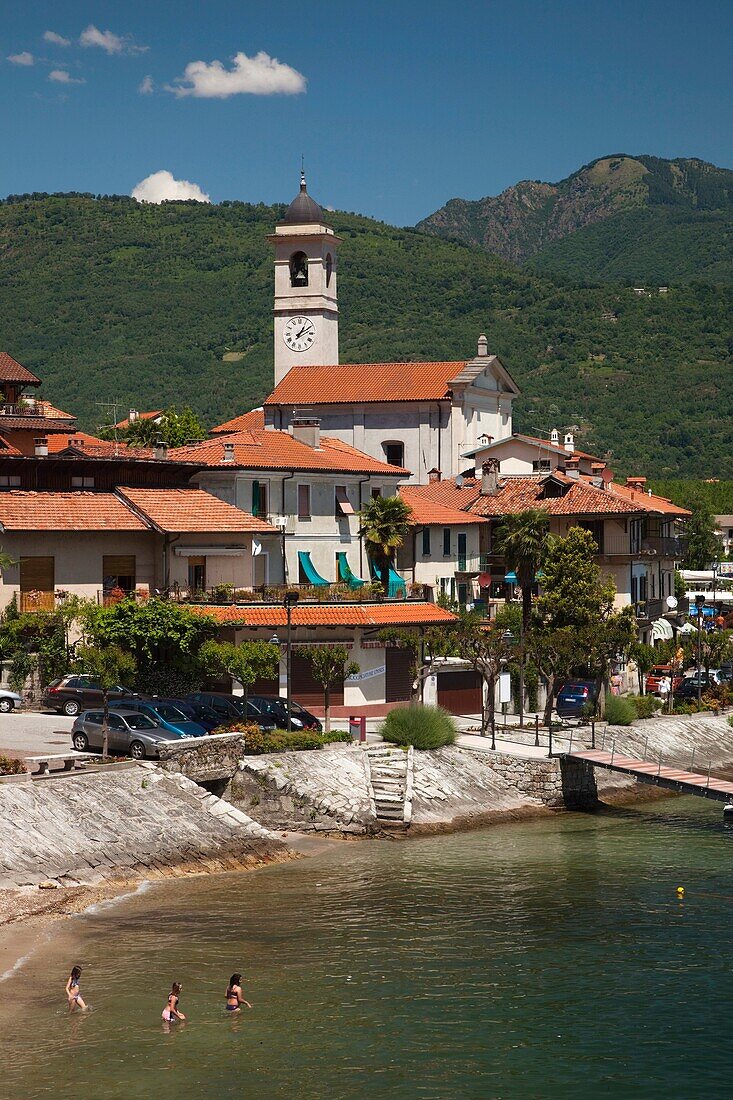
(275, 707)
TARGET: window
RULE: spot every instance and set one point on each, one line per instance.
(377, 492)
(329, 268)
(115, 722)
(82, 483)
(37, 584)
(426, 542)
(542, 466)
(118, 573)
(394, 453)
(446, 542)
(197, 574)
(342, 505)
(259, 498)
(462, 552)
(7, 481)
(299, 269)
(304, 502)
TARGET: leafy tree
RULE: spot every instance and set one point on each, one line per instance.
(330, 665)
(157, 632)
(555, 652)
(484, 647)
(703, 544)
(385, 523)
(644, 657)
(246, 663)
(109, 666)
(176, 428)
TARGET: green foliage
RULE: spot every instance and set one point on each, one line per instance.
(646, 706)
(175, 428)
(521, 540)
(703, 546)
(257, 742)
(9, 765)
(246, 663)
(422, 726)
(155, 631)
(620, 711)
(109, 665)
(34, 642)
(330, 665)
(385, 524)
(716, 495)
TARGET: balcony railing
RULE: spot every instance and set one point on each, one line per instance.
(21, 408)
(649, 609)
(668, 546)
(36, 600)
(307, 593)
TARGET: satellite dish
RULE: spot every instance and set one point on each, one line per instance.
(607, 476)
(671, 602)
(459, 481)
(256, 548)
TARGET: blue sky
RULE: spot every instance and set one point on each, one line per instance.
(397, 106)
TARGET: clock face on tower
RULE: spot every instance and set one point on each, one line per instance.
(299, 333)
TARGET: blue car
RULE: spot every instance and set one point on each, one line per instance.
(195, 712)
(576, 698)
(165, 715)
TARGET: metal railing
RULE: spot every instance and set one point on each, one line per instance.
(21, 408)
(664, 546)
(307, 593)
(649, 609)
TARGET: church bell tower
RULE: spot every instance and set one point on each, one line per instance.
(306, 305)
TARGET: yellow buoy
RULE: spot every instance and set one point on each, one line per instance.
(680, 891)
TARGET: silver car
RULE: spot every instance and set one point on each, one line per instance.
(9, 700)
(129, 732)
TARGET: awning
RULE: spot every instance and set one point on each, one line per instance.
(210, 551)
(345, 506)
(662, 630)
(510, 578)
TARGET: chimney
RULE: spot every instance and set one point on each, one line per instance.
(597, 469)
(569, 442)
(306, 428)
(572, 468)
(41, 446)
(490, 478)
(636, 482)
(134, 414)
(161, 450)
(74, 441)
(433, 476)
(229, 452)
(555, 437)
(483, 346)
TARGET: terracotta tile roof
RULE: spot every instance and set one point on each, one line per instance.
(428, 512)
(140, 416)
(255, 418)
(365, 382)
(53, 413)
(10, 371)
(518, 493)
(86, 442)
(650, 503)
(7, 447)
(75, 511)
(35, 423)
(184, 510)
(354, 615)
(274, 450)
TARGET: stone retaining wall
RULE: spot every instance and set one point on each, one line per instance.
(211, 759)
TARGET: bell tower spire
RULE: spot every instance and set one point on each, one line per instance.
(306, 301)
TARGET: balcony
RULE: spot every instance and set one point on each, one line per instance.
(22, 408)
(307, 594)
(649, 610)
(35, 600)
(667, 546)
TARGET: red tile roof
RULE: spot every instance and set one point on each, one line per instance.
(184, 510)
(648, 501)
(274, 450)
(519, 493)
(140, 416)
(354, 615)
(365, 382)
(255, 418)
(10, 371)
(85, 442)
(75, 511)
(45, 423)
(428, 512)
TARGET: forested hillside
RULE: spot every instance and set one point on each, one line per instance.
(110, 299)
(632, 219)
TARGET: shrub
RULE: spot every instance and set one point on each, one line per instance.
(619, 710)
(257, 742)
(646, 706)
(336, 735)
(10, 766)
(418, 725)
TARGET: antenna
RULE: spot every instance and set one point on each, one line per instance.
(109, 409)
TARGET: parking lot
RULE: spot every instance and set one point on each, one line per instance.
(30, 733)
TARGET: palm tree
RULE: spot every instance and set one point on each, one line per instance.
(385, 523)
(520, 540)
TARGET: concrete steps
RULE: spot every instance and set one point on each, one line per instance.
(390, 778)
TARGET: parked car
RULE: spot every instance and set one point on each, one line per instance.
(687, 689)
(231, 708)
(73, 694)
(273, 706)
(165, 715)
(575, 698)
(709, 676)
(195, 712)
(9, 700)
(129, 732)
(655, 674)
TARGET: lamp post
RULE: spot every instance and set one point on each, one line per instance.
(699, 604)
(291, 598)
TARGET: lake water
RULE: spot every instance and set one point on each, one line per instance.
(544, 959)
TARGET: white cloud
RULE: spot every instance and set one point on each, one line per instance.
(56, 39)
(60, 76)
(24, 58)
(162, 187)
(145, 87)
(258, 75)
(111, 43)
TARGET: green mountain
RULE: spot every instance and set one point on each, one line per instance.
(638, 219)
(110, 300)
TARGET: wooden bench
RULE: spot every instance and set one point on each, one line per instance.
(69, 759)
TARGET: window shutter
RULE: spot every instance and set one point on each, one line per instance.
(255, 498)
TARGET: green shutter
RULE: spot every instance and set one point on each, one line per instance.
(255, 498)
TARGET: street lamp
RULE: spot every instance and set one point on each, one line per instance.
(291, 598)
(699, 604)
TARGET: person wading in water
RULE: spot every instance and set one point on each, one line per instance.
(235, 1000)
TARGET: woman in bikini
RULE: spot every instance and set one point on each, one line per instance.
(73, 993)
(171, 1012)
(234, 994)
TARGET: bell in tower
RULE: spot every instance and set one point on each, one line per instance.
(306, 302)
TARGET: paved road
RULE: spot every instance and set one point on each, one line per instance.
(30, 734)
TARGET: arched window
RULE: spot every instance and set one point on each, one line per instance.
(299, 269)
(394, 452)
(329, 268)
